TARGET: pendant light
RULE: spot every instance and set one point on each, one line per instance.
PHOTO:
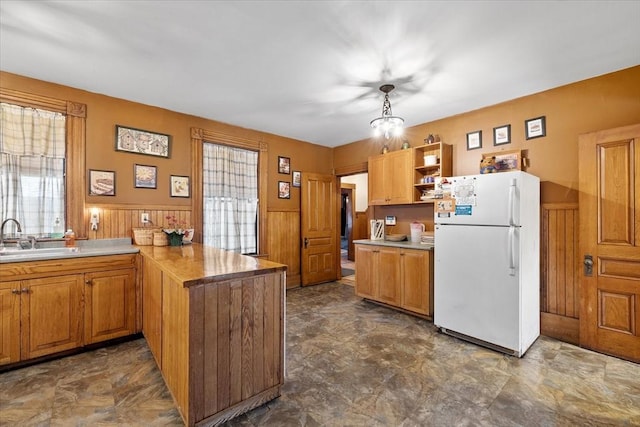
(387, 124)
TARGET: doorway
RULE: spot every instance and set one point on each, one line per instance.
(353, 220)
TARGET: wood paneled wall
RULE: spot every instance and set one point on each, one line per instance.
(560, 271)
(283, 243)
(116, 221)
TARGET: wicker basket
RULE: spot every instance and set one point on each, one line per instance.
(143, 236)
(160, 238)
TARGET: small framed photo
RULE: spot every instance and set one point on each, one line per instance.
(297, 178)
(535, 128)
(142, 141)
(502, 135)
(179, 186)
(474, 140)
(284, 165)
(284, 190)
(102, 183)
(145, 176)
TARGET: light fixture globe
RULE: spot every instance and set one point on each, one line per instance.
(387, 124)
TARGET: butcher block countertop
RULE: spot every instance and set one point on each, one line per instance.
(196, 264)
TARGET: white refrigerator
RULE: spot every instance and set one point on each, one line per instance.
(487, 260)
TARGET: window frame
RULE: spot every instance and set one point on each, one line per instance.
(74, 179)
(198, 137)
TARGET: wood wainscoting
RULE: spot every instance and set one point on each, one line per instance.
(117, 221)
(283, 244)
(559, 287)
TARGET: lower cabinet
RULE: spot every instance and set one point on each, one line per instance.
(399, 277)
(57, 312)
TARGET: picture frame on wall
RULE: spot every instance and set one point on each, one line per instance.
(502, 135)
(102, 183)
(535, 128)
(284, 165)
(179, 186)
(297, 178)
(474, 140)
(284, 190)
(140, 141)
(145, 176)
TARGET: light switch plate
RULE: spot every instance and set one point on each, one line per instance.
(144, 217)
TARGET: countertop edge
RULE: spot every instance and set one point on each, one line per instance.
(404, 244)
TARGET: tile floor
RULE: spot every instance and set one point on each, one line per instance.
(349, 363)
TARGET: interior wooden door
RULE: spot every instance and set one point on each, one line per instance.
(320, 241)
(609, 206)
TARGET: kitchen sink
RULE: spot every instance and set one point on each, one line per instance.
(27, 253)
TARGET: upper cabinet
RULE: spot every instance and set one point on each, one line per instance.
(390, 178)
(429, 162)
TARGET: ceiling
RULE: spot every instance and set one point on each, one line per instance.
(311, 70)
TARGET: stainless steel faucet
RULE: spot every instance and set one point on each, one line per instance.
(2, 229)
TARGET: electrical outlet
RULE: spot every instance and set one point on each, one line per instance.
(144, 217)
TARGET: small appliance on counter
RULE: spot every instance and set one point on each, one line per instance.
(417, 229)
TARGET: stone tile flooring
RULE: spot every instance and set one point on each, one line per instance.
(349, 363)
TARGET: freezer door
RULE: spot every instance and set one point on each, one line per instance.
(491, 199)
(476, 290)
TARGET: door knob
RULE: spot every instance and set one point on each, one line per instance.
(306, 242)
(588, 265)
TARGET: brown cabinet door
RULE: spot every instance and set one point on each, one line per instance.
(388, 275)
(110, 305)
(399, 177)
(152, 313)
(417, 273)
(366, 283)
(51, 315)
(9, 322)
(376, 181)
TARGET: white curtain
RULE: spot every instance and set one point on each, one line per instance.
(230, 192)
(32, 159)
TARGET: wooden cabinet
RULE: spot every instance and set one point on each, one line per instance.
(43, 316)
(390, 178)
(110, 305)
(399, 277)
(51, 306)
(438, 163)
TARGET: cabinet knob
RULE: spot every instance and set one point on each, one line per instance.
(87, 282)
(15, 291)
(24, 291)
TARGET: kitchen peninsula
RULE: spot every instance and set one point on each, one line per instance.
(214, 321)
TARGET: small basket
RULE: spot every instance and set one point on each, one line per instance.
(143, 236)
(160, 238)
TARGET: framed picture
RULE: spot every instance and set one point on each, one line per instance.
(535, 128)
(474, 140)
(297, 178)
(502, 135)
(179, 186)
(142, 141)
(284, 190)
(284, 165)
(145, 176)
(102, 183)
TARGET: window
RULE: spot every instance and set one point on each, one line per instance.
(230, 198)
(32, 163)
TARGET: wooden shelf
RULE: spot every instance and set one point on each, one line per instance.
(443, 167)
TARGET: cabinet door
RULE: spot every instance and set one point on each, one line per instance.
(366, 279)
(110, 305)
(388, 275)
(416, 280)
(377, 183)
(398, 172)
(51, 315)
(152, 303)
(9, 322)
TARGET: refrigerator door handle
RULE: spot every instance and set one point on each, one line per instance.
(512, 251)
(512, 201)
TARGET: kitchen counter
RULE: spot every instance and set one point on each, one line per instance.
(196, 264)
(214, 321)
(57, 250)
(403, 244)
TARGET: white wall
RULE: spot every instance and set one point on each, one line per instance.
(361, 181)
